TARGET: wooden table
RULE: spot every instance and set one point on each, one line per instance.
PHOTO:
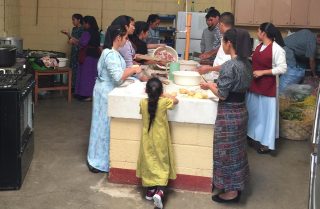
(62, 87)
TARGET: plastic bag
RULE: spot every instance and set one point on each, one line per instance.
(298, 92)
(313, 82)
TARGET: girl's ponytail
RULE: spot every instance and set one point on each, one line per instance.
(154, 90)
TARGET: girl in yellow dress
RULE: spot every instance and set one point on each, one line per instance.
(155, 163)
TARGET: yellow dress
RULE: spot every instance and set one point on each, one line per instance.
(155, 162)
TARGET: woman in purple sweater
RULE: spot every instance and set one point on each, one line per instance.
(88, 58)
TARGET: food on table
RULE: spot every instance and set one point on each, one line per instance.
(174, 94)
(200, 95)
(165, 55)
(204, 95)
(183, 91)
(195, 94)
(191, 93)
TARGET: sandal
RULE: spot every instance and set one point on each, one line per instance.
(263, 150)
(88, 99)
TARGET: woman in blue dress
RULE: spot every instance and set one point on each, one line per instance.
(112, 72)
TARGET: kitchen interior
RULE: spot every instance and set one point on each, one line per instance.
(43, 142)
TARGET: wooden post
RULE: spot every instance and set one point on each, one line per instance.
(188, 29)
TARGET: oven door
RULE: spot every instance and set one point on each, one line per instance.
(26, 114)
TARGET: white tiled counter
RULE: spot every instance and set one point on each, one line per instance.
(191, 125)
(124, 103)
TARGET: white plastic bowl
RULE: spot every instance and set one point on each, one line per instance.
(62, 62)
(188, 65)
(186, 78)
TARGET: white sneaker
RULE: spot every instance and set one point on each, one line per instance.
(157, 198)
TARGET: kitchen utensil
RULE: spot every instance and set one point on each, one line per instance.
(186, 78)
(168, 50)
(13, 41)
(127, 82)
(188, 65)
(147, 57)
(174, 66)
(204, 79)
(7, 56)
(62, 62)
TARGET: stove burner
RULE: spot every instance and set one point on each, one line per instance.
(8, 80)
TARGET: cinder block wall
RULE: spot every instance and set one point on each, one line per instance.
(1, 17)
(192, 145)
(9, 18)
(54, 15)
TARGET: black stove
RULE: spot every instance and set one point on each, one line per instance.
(7, 81)
(16, 126)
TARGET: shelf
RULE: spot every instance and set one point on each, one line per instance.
(167, 17)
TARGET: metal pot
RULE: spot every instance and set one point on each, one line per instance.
(13, 41)
(7, 56)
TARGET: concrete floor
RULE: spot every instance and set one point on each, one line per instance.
(58, 176)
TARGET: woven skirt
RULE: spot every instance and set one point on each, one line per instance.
(230, 169)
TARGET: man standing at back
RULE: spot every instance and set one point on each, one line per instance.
(210, 41)
(226, 23)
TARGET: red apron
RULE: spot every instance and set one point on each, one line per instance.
(265, 85)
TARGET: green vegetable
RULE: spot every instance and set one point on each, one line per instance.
(292, 113)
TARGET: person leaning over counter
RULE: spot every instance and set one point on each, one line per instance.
(137, 39)
(268, 61)
(300, 50)
(112, 71)
(127, 51)
(231, 168)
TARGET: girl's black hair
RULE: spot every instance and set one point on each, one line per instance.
(272, 33)
(122, 20)
(231, 35)
(78, 17)
(92, 22)
(240, 40)
(152, 18)
(140, 26)
(154, 89)
(113, 32)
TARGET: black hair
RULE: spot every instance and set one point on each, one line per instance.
(272, 33)
(78, 17)
(92, 22)
(122, 20)
(140, 26)
(152, 18)
(212, 13)
(231, 35)
(154, 89)
(227, 18)
(113, 32)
